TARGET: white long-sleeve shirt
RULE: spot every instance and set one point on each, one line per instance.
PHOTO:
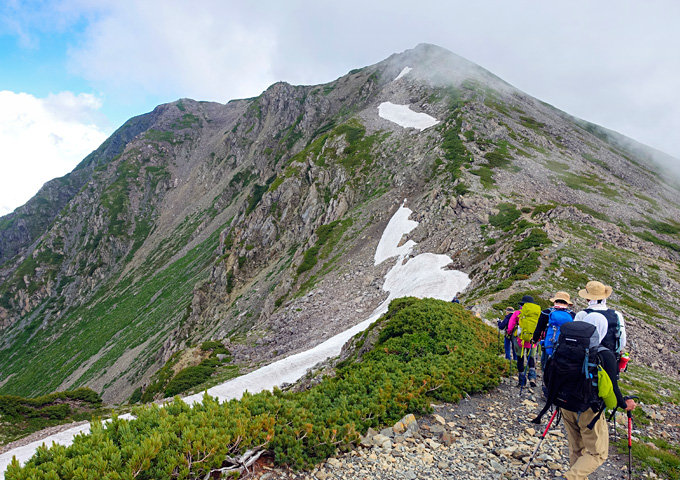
(600, 307)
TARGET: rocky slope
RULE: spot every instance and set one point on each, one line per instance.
(255, 223)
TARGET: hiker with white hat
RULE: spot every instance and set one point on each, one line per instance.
(597, 293)
(550, 321)
(587, 430)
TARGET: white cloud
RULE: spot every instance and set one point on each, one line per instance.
(43, 138)
(175, 49)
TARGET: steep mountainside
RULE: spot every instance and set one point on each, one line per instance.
(255, 223)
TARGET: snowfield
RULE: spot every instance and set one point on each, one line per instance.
(403, 115)
(420, 276)
(403, 72)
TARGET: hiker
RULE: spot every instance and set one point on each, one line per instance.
(508, 344)
(455, 298)
(597, 293)
(550, 321)
(589, 444)
(522, 324)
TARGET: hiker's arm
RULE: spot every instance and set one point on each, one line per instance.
(540, 326)
(623, 330)
(611, 367)
(513, 321)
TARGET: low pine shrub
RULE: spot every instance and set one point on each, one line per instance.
(188, 378)
(427, 351)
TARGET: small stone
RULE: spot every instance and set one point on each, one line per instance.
(333, 462)
(530, 431)
(408, 423)
(447, 439)
(439, 419)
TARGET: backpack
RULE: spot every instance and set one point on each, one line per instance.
(612, 340)
(556, 319)
(572, 372)
(527, 320)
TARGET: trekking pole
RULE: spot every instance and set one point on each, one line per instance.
(630, 439)
(540, 441)
(499, 341)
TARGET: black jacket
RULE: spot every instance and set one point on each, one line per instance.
(611, 366)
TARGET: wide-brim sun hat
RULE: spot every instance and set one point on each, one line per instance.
(595, 291)
(564, 296)
(509, 310)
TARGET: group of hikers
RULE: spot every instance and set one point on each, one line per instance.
(581, 358)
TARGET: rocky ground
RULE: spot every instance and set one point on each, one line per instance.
(486, 436)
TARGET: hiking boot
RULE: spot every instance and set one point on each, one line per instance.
(532, 384)
(522, 379)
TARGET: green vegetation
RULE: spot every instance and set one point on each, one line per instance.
(536, 238)
(531, 123)
(190, 377)
(485, 175)
(323, 233)
(187, 121)
(595, 160)
(664, 460)
(159, 136)
(538, 209)
(506, 216)
(427, 351)
(22, 416)
(647, 236)
(126, 314)
(527, 265)
(499, 158)
(639, 306)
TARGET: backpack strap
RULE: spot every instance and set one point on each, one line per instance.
(600, 348)
(596, 418)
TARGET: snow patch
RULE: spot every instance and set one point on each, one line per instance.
(404, 71)
(398, 226)
(403, 115)
(421, 276)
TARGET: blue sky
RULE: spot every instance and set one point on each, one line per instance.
(71, 71)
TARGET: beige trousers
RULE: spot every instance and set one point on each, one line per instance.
(588, 449)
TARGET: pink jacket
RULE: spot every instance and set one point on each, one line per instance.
(514, 320)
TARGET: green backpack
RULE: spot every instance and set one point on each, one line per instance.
(528, 318)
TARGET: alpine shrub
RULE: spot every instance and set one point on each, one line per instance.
(427, 351)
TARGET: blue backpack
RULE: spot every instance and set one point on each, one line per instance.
(557, 318)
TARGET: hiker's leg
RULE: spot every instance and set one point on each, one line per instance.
(507, 345)
(532, 363)
(520, 367)
(520, 362)
(514, 348)
(574, 436)
(596, 446)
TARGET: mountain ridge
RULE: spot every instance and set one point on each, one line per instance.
(219, 221)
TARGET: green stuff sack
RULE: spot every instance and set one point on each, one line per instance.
(605, 388)
(528, 318)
